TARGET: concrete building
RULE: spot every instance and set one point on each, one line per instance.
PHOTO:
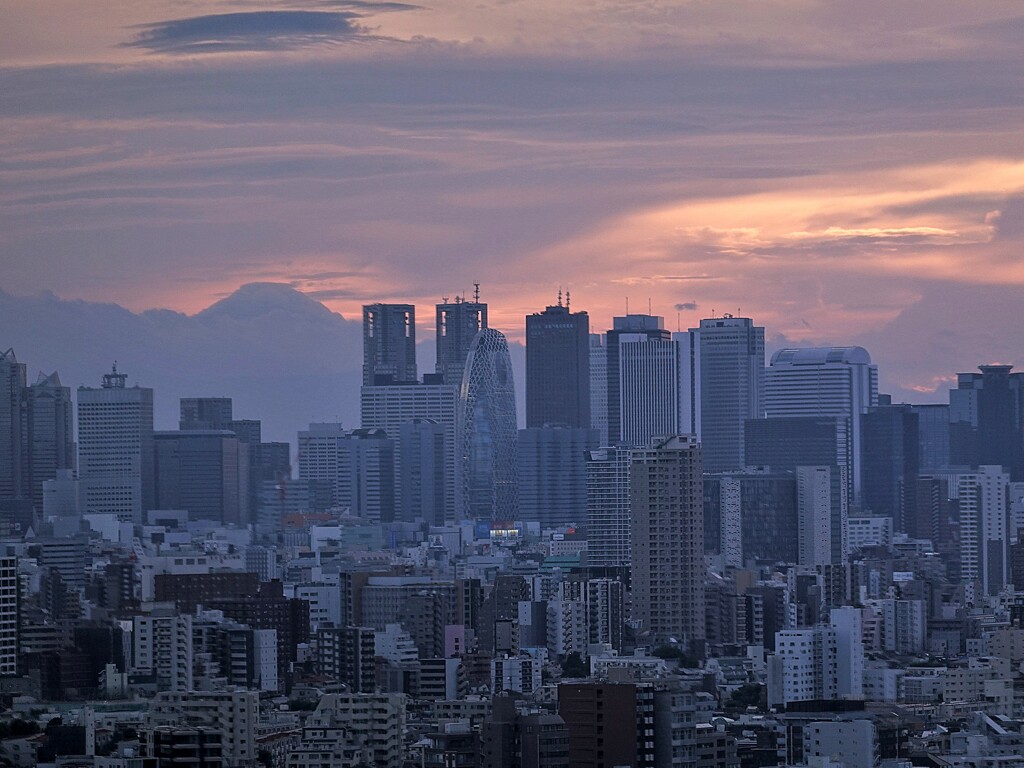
(632, 328)
(598, 356)
(521, 674)
(376, 721)
(13, 438)
(9, 623)
(162, 646)
(234, 714)
(667, 545)
(115, 448)
(49, 434)
(984, 527)
(203, 472)
(346, 654)
(823, 515)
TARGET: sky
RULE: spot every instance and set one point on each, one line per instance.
(841, 172)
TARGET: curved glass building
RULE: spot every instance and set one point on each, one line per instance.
(489, 431)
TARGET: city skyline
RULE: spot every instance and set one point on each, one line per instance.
(828, 170)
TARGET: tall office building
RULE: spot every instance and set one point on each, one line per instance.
(115, 448)
(827, 381)
(390, 408)
(933, 436)
(457, 324)
(49, 416)
(599, 386)
(558, 367)
(608, 505)
(205, 472)
(205, 413)
(656, 388)
(632, 328)
(423, 476)
(359, 465)
(667, 507)
(553, 474)
(987, 419)
(389, 344)
(761, 506)
(890, 463)
(490, 479)
(12, 427)
(783, 444)
(730, 351)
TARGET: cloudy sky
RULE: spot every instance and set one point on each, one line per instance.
(842, 172)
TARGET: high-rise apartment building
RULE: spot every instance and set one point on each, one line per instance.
(457, 324)
(667, 509)
(489, 453)
(115, 448)
(9, 597)
(984, 526)
(608, 505)
(389, 344)
(823, 515)
(838, 382)
(558, 367)
(599, 386)
(730, 351)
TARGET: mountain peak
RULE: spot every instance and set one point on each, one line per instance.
(258, 299)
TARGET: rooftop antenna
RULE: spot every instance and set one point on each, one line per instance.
(627, 305)
(567, 298)
(559, 295)
(679, 327)
(649, 305)
(444, 299)
(476, 293)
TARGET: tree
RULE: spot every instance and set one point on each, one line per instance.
(574, 666)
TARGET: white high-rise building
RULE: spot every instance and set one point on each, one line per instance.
(984, 538)
(162, 646)
(608, 505)
(823, 515)
(656, 387)
(822, 662)
(826, 381)
(599, 385)
(115, 448)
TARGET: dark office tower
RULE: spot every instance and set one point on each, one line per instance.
(13, 439)
(751, 516)
(205, 413)
(798, 441)
(490, 479)
(632, 327)
(890, 463)
(422, 444)
(115, 448)
(667, 500)
(933, 436)
(205, 472)
(730, 351)
(553, 474)
(457, 325)
(249, 431)
(987, 419)
(558, 367)
(389, 344)
(49, 428)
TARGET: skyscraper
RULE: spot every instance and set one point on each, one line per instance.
(423, 473)
(115, 448)
(632, 327)
(987, 419)
(389, 344)
(12, 427)
(984, 535)
(490, 479)
(457, 325)
(822, 514)
(552, 474)
(655, 387)
(558, 367)
(730, 351)
(49, 432)
(599, 386)
(205, 472)
(608, 504)
(205, 413)
(825, 381)
(890, 463)
(667, 502)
